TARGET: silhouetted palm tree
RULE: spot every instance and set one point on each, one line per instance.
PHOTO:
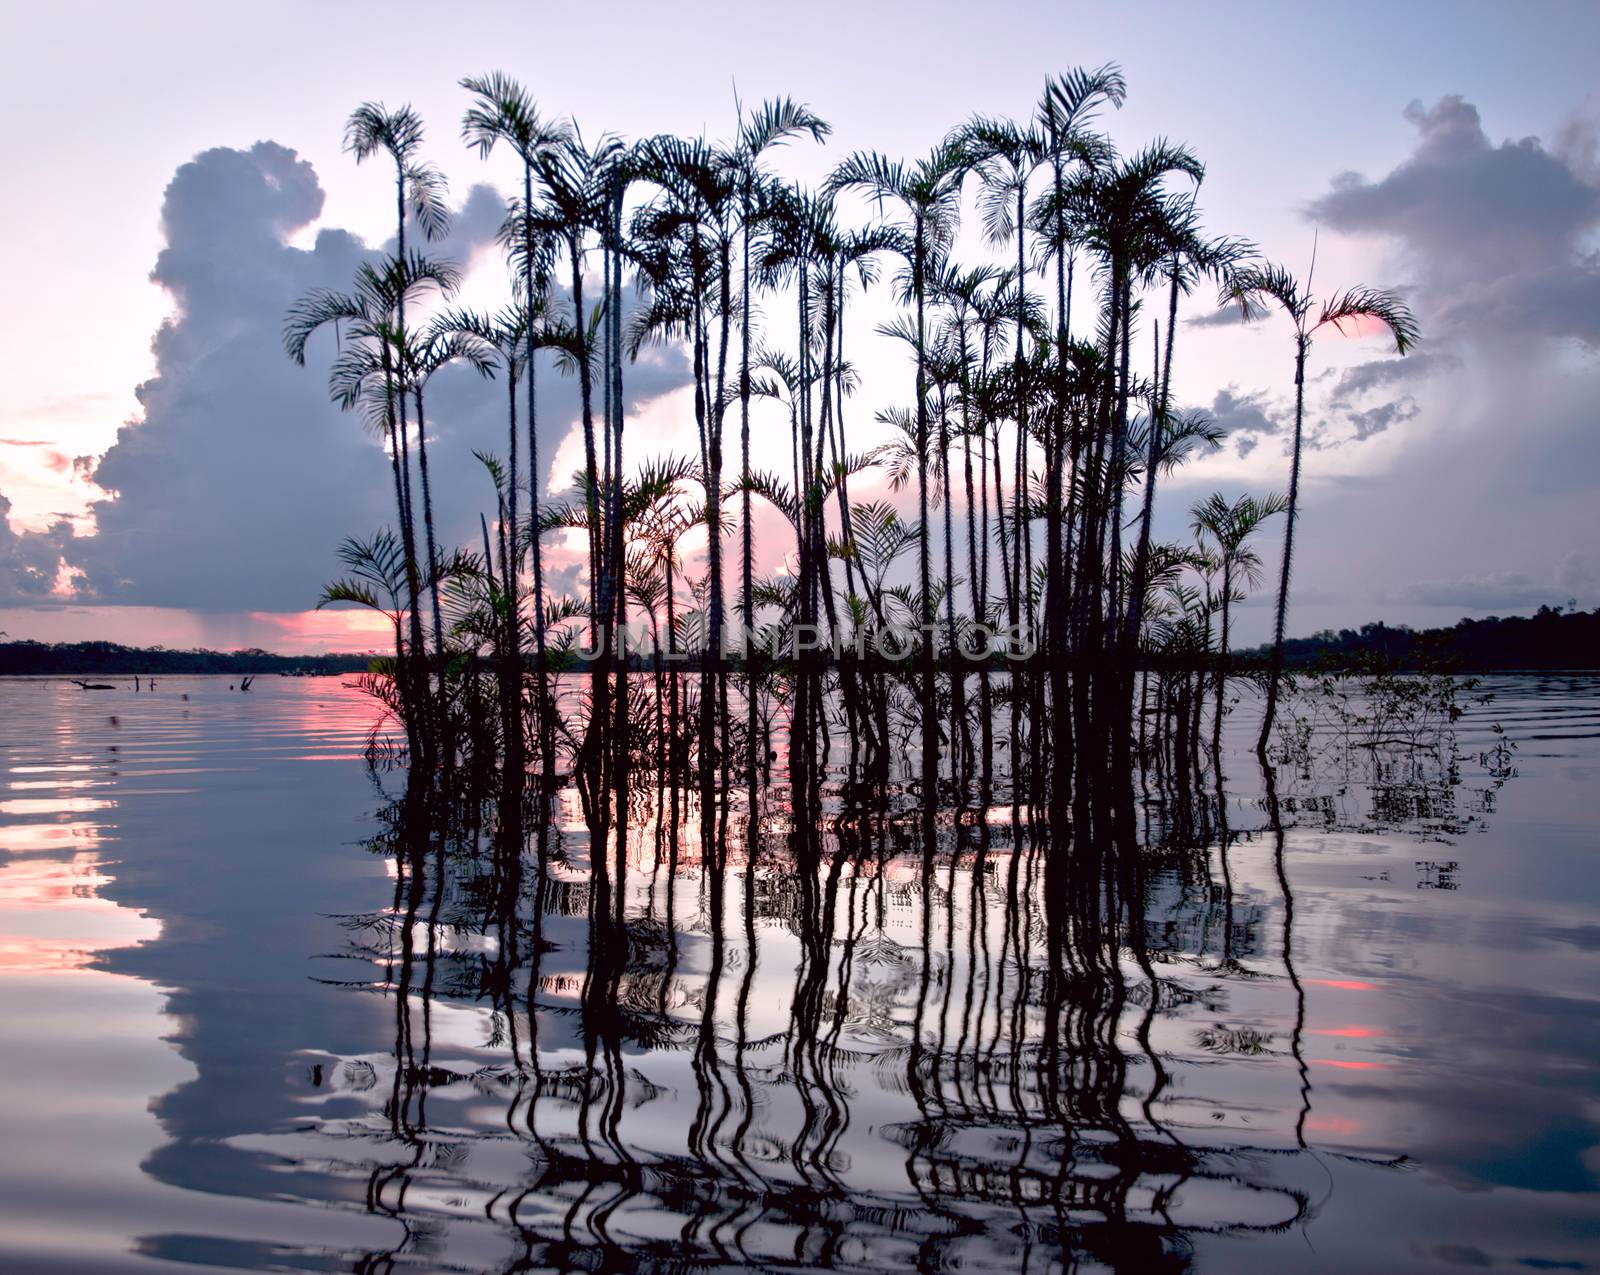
(1225, 529)
(1252, 289)
(369, 372)
(504, 111)
(420, 189)
(929, 194)
(772, 125)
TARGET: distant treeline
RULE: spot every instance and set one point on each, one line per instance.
(1552, 638)
(63, 659)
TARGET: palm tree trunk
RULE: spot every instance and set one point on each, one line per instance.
(1024, 533)
(407, 525)
(1006, 575)
(930, 750)
(427, 526)
(1222, 652)
(1276, 670)
(1152, 455)
(747, 547)
(846, 530)
(957, 681)
(591, 469)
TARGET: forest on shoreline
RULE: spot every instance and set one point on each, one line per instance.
(1551, 638)
(70, 659)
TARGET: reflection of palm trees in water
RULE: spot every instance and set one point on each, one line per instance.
(661, 1073)
(1280, 867)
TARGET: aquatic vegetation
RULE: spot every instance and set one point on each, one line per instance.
(1028, 434)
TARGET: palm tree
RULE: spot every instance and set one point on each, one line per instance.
(684, 244)
(427, 353)
(929, 194)
(805, 242)
(1127, 217)
(773, 124)
(506, 334)
(1191, 256)
(1253, 289)
(1006, 155)
(857, 249)
(359, 373)
(962, 291)
(370, 373)
(1224, 529)
(576, 181)
(504, 111)
(420, 188)
(1066, 107)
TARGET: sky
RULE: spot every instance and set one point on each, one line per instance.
(177, 180)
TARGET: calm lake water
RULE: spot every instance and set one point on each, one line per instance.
(240, 1034)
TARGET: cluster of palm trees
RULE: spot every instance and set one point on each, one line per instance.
(1033, 438)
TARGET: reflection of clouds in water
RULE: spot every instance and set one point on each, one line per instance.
(53, 918)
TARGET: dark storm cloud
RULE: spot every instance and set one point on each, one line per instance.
(240, 479)
(1486, 501)
(1486, 498)
(1490, 501)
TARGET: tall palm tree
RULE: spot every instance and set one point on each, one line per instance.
(428, 352)
(928, 193)
(1225, 529)
(852, 249)
(961, 293)
(687, 233)
(506, 336)
(1125, 213)
(1062, 117)
(504, 111)
(1006, 155)
(370, 374)
(1253, 289)
(774, 123)
(577, 191)
(804, 242)
(1190, 257)
(420, 190)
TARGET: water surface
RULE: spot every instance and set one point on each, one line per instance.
(250, 1023)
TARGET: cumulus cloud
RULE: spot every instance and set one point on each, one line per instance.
(1496, 234)
(232, 489)
(229, 490)
(1485, 491)
(30, 561)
